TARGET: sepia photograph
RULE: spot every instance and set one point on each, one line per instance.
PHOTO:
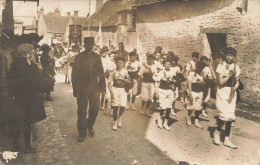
(130, 82)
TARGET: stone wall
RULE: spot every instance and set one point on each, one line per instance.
(181, 33)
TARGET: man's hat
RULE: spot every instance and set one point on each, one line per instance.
(45, 47)
(89, 40)
(34, 37)
(7, 34)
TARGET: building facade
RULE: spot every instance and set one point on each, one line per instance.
(207, 27)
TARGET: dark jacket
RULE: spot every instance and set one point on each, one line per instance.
(88, 74)
(3, 75)
(25, 87)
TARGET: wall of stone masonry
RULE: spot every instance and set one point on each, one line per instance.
(180, 31)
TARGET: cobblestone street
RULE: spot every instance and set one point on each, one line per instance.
(139, 140)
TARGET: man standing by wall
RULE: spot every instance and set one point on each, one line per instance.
(88, 81)
(122, 52)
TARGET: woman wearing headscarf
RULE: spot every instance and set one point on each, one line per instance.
(25, 80)
(48, 64)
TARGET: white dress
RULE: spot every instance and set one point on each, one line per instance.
(225, 104)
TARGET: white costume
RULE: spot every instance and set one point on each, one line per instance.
(133, 68)
(165, 91)
(197, 94)
(147, 72)
(226, 103)
(117, 78)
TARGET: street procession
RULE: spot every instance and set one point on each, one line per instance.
(130, 82)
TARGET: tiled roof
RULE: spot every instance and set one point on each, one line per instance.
(146, 2)
(108, 13)
(58, 24)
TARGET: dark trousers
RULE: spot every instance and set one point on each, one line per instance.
(93, 101)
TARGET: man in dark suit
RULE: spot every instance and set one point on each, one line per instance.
(88, 81)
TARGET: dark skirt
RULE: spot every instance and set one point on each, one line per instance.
(28, 109)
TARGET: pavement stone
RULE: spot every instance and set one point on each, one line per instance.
(50, 145)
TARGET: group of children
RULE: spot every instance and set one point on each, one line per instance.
(160, 80)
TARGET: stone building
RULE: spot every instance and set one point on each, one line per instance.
(205, 26)
(54, 27)
(116, 19)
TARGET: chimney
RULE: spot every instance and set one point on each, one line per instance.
(99, 4)
(68, 14)
(41, 11)
(76, 13)
(57, 12)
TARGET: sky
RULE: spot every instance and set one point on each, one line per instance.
(26, 11)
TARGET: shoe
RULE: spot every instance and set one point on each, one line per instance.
(119, 122)
(188, 120)
(204, 113)
(127, 106)
(91, 131)
(142, 109)
(81, 138)
(159, 122)
(216, 138)
(172, 112)
(102, 108)
(165, 125)
(228, 143)
(147, 113)
(133, 107)
(197, 123)
(115, 126)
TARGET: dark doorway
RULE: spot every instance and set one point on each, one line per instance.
(217, 43)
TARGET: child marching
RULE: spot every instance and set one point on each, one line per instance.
(208, 75)
(228, 73)
(196, 85)
(146, 83)
(120, 79)
(132, 66)
(167, 93)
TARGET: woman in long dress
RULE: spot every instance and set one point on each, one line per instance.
(25, 87)
(228, 81)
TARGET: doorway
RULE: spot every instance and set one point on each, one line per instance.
(217, 43)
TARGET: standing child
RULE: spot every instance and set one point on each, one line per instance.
(191, 66)
(166, 93)
(158, 63)
(208, 78)
(228, 73)
(146, 78)
(110, 68)
(105, 61)
(196, 85)
(132, 66)
(120, 78)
